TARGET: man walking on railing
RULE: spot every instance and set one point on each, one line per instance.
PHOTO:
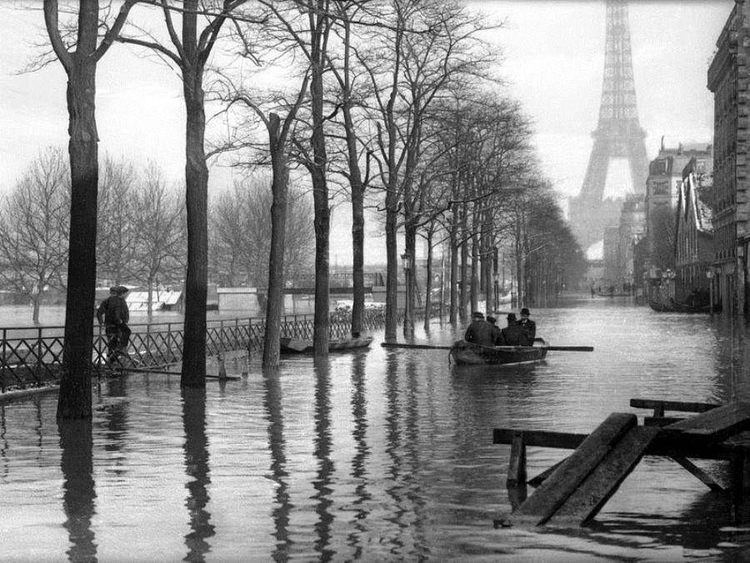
(114, 314)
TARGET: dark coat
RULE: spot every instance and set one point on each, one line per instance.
(480, 332)
(113, 311)
(515, 335)
(497, 336)
(529, 326)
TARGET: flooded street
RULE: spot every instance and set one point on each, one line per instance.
(381, 455)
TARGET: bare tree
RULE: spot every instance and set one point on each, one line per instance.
(305, 25)
(342, 67)
(240, 223)
(159, 223)
(79, 54)
(424, 49)
(115, 235)
(189, 53)
(34, 228)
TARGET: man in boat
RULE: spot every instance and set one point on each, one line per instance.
(514, 334)
(497, 334)
(479, 331)
(528, 325)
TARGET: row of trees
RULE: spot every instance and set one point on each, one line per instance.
(393, 102)
(141, 230)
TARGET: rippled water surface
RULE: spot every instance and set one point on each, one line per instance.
(380, 455)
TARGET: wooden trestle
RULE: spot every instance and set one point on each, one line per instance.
(575, 489)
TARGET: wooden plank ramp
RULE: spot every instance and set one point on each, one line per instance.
(583, 482)
(714, 425)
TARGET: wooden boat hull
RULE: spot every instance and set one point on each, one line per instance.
(298, 346)
(467, 354)
(675, 307)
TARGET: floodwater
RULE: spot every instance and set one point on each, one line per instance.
(382, 455)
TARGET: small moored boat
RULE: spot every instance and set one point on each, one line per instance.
(467, 353)
(299, 346)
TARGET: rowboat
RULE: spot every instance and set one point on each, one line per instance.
(467, 354)
(673, 306)
(300, 346)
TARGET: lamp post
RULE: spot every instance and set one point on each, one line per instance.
(710, 276)
(408, 308)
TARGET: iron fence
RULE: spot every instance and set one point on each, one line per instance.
(32, 356)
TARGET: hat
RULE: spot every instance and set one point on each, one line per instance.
(525, 312)
(511, 316)
(120, 289)
(113, 289)
(477, 315)
(492, 320)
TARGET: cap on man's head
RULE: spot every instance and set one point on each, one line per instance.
(492, 320)
(525, 312)
(511, 316)
(477, 315)
(121, 289)
(113, 289)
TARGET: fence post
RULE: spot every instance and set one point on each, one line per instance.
(4, 358)
(38, 366)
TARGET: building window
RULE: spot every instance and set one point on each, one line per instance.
(661, 188)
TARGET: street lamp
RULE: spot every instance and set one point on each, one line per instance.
(710, 275)
(408, 321)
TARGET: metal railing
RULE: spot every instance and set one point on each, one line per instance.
(32, 356)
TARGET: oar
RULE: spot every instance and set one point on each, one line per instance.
(420, 346)
(165, 372)
(433, 347)
(571, 348)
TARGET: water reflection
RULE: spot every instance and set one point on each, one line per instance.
(380, 455)
(402, 439)
(361, 453)
(322, 452)
(115, 421)
(76, 462)
(3, 443)
(282, 505)
(197, 468)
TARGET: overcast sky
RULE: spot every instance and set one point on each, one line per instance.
(553, 59)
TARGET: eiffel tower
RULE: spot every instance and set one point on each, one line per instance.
(618, 134)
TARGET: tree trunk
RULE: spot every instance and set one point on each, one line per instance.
(428, 283)
(520, 275)
(149, 297)
(358, 224)
(196, 198)
(474, 292)
(74, 400)
(275, 302)
(410, 243)
(322, 221)
(464, 272)
(454, 275)
(35, 303)
(391, 272)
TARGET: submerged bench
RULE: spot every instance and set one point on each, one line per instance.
(576, 488)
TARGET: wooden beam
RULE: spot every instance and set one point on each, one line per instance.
(598, 487)
(704, 477)
(556, 489)
(679, 406)
(539, 479)
(665, 445)
(517, 465)
(564, 440)
(714, 425)
(660, 420)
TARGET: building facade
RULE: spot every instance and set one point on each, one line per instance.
(728, 80)
(662, 194)
(694, 248)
